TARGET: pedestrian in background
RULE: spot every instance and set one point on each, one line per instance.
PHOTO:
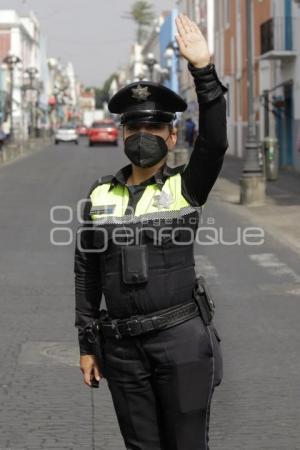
(298, 141)
(190, 128)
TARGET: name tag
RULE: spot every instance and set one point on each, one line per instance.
(103, 209)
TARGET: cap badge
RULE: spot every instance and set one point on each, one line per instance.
(140, 93)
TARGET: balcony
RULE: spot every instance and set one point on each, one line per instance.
(276, 38)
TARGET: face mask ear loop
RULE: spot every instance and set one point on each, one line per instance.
(168, 137)
(140, 146)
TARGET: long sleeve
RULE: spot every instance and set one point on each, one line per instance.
(211, 143)
(88, 290)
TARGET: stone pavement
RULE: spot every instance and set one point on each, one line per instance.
(44, 403)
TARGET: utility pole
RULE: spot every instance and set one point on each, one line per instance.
(11, 61)
(252, 182)
(32, 74)
(11, 100)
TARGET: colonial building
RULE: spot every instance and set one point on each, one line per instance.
(276, 66)
(20, 37)
(200, 11)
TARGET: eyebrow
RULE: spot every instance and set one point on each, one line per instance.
(145, 125)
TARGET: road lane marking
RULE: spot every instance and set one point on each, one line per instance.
(274, 265)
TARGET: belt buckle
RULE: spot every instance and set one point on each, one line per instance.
(136, 321)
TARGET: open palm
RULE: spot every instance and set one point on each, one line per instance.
(191, 42)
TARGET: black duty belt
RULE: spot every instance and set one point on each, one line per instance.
(140, 324)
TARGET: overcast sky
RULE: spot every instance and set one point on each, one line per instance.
(90, 33)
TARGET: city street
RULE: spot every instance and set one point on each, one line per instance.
(45, 404)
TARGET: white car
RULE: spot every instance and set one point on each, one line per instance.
(66, 133)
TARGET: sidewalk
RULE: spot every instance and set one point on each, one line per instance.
(280, 216)
(11, 152)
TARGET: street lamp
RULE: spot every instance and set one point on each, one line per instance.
(172, 51)
(32, 74)
(11, 61)
(252, 182)
(150, 62)
(168, 55)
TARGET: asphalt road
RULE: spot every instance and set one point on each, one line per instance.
(45, 405)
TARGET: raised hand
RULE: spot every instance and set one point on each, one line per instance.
(191, 42)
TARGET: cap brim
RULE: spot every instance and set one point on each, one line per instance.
(159, 98)
(147, 116)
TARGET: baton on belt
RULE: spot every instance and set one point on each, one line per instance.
(204, 300)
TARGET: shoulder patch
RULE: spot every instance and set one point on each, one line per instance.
(99, 182)
(105, 179)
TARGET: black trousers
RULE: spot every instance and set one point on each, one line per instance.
(162, 384)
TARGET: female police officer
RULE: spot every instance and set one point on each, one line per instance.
(162, 360)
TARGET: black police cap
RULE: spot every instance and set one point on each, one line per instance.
(146, 101)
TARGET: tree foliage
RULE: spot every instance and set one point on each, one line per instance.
(142, 14)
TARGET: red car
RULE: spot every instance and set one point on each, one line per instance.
(103, 131)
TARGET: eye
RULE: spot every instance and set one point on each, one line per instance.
(132, 127)
(155, 126)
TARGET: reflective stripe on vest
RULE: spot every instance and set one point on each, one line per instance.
(155, 202)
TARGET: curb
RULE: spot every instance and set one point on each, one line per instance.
(13, 152)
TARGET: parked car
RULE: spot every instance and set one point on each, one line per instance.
(103, 131)
(82, 130)
(66, 133)
(3, 138)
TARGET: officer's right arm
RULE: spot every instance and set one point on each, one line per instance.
(87, 293)
(87, 280)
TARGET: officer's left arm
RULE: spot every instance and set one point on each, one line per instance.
(210, 146)
(211, 143)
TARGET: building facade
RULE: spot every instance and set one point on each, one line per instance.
(44, 91)
(276, 67)
(169, 62)
(58, 92)
(20, 37)
(200, 11)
